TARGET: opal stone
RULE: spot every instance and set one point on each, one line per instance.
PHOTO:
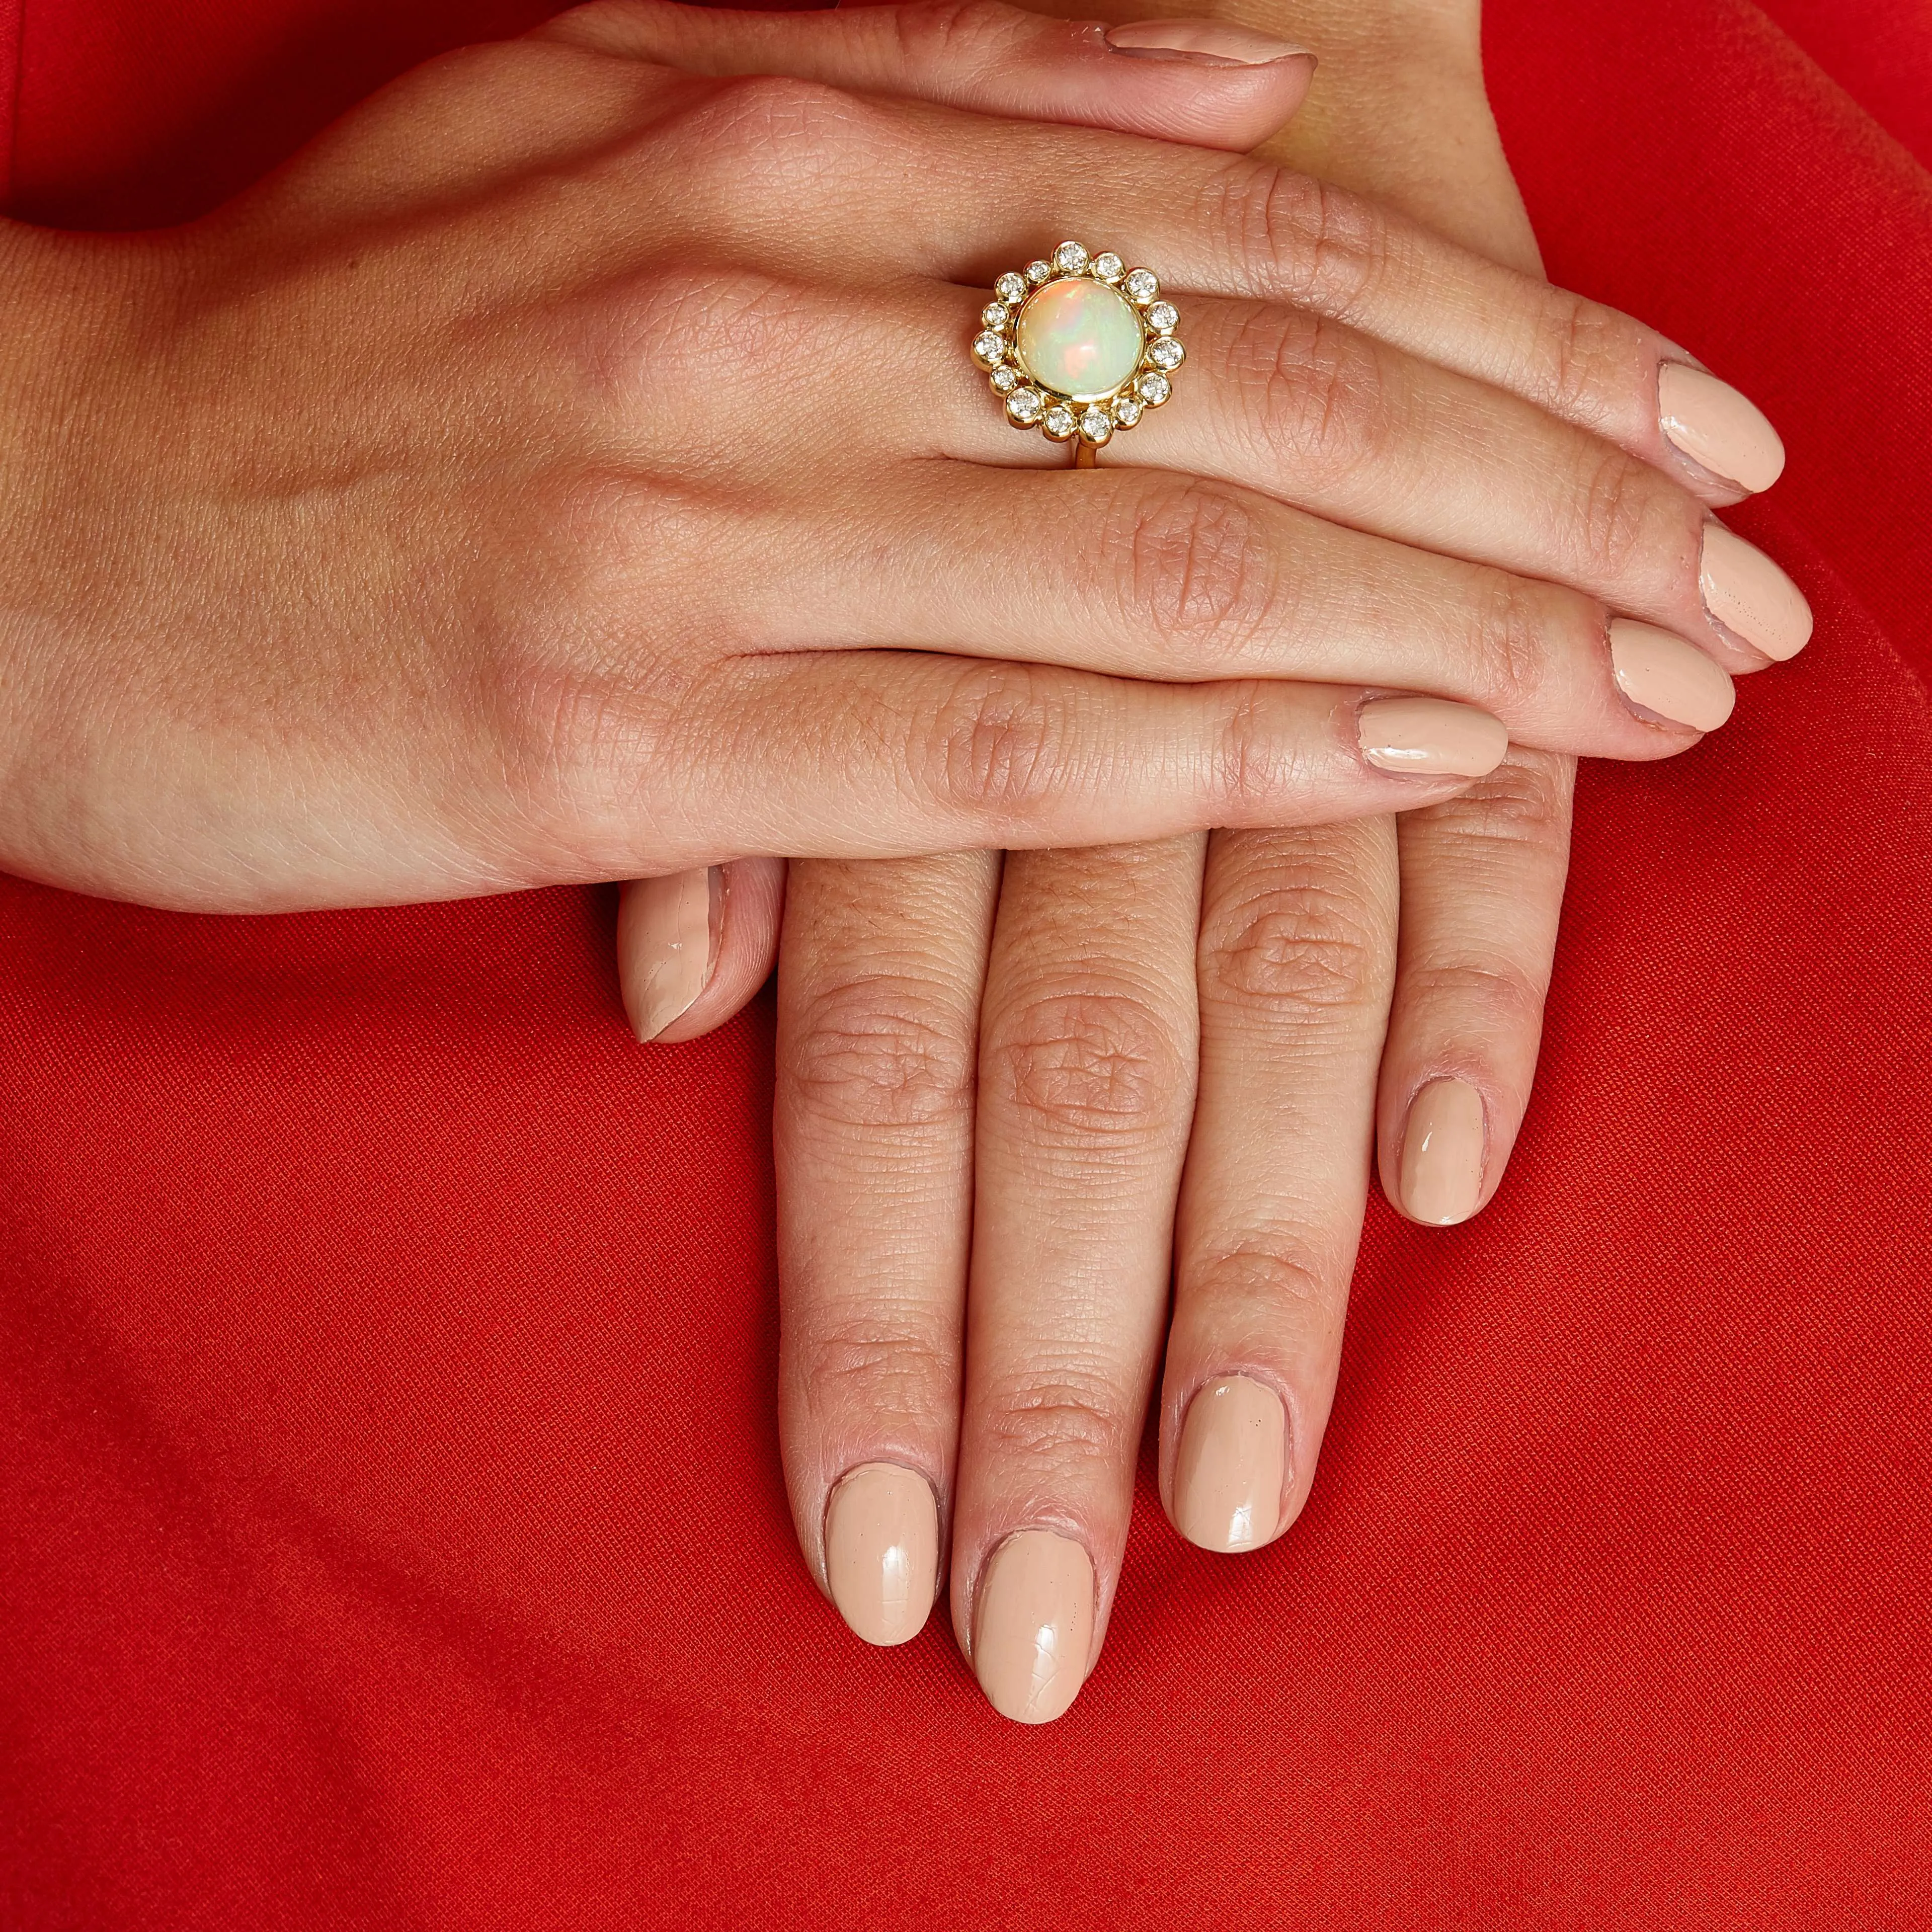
(1079, 338)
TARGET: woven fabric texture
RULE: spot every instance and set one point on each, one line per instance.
(393, 1530)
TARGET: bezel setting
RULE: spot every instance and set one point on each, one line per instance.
(1033, 404)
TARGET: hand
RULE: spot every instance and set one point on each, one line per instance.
(503, 493)
(1086, 1056)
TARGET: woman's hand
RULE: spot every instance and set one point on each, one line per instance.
(1082, 1030)
(565, 469)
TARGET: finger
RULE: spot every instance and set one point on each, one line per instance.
(875, 754)
(1212, 85)
(1482, 890)
(1315, 414)
(1153, 573)
(1086, 1083)
(1297, 956)
(1211, 223)
(878, 1015)
(694, 947)
(1326, 416)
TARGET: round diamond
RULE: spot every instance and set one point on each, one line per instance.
(1070, 259)
(1039, 271)
(1162, 316)
(1164, 352)
(1109, 267)
(1060, 424)
(1126, 411)
(989, 350)
(1142, 286)
(1011, 289)
(1095, 425)
(1153, 387)
(994, 315)
(1024, 406)
(1006, 379)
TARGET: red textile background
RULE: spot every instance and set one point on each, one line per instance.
(393, 1530)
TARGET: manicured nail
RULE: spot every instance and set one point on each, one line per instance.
(1431, 736)
(1442, 1154)
(1717, 427)
(1659, 673)
(664, 946)
(1232, 1460)
(1215, 43)
(882, 1551)
(1036, 1624)
(1747, 593)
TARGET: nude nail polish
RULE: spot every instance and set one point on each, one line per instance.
(1035, 1626)
(1660, 673)
(1717, 427)
(666, 930)
(1211, 43)
(882, 1551)
(1432, 736)
(1442, 1154)
(1230, 1465)
(1747, 593)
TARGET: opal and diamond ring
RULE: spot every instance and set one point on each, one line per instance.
(1079, 347)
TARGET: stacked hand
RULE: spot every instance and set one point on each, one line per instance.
(569, 468)
(1181, 1050)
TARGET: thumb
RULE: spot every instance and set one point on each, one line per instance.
(693, 947)
(1207, 82)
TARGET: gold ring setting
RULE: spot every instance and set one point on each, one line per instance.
(1079, 346)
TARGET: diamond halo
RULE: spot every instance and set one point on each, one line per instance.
(1065, 413)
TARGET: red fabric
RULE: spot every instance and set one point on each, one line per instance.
(1879, 51)
(394, 1532)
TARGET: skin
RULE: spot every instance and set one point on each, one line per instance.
(422, 524)
(996, 1134)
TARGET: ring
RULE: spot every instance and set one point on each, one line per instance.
(1078, 347)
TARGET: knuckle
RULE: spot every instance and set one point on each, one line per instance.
(1090, 1063)
(564, 709)
(1260, 771)
(1616, 525)
(1524, 804)
(946, 35)
(881, 1050)
(746, 141)
(1060, 1412)
(1590, 355)
(883, 1360)
(1301, 943)
(1495, 1000)
(1276, 1276)
(999, 743)
(1315, 391)
(1507, 643)
(1302, 240)
(1200, 573)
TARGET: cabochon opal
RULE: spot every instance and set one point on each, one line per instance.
(1078, 338)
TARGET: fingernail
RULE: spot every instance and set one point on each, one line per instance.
(882, 1551)
(1232, 1461)
(1218, 43)
(1431, 736)
(1035, 1625)
(1660, 673)
(1747, 593)
(1716, 426)
(665, 945)
(1442, 1154)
